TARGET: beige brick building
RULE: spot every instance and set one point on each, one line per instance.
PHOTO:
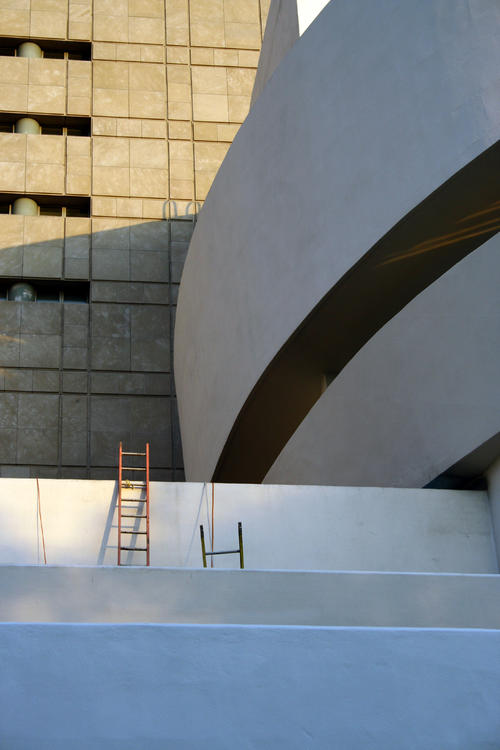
(114, 118)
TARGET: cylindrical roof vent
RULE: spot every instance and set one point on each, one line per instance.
(25, 207)
(28, 125)
(29, 49)
(22, 292)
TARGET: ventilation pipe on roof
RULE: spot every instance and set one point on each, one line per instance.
(29, 49)
(28, 125)
(25, 207)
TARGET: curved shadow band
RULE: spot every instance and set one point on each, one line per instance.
(454, 220)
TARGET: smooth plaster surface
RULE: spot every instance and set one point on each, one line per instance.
(493, 476)
(338, 148)
(111, 594)
(157, 686)
(286, 21)
(282, 31)
(423, 393)
(284, 527)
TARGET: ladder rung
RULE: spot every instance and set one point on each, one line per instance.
(132, 453)
(131, 531)
(224, 552)
(133, 468)
(131, 515)
(136, 549)
(134, 486)
(134, 500)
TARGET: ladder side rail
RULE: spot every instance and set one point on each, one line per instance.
(238, 551)
(240, 544)
(203, 550)
(147, 504)
(120, 502)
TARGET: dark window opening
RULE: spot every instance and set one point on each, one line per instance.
(51, 48)
(42, 290)
(50, 205)
(50, 124)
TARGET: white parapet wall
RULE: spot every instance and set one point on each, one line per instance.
(38, 593)
(150, 687)
(284, 527)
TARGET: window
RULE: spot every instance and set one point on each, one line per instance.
(41, 290)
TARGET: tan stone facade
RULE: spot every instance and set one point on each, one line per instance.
(164, 86)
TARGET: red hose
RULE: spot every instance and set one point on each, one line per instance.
(41, 523)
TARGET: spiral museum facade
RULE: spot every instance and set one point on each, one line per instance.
(338, 318)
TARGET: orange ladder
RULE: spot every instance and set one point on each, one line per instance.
(138, 504)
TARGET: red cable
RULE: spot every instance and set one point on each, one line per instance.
(41, 524)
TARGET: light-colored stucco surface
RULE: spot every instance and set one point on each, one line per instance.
(286, 21)
(284, 527)
(282, 31)
(373, 108)
(158, 686)
(111, 594)
(423, 393)
(493, 476)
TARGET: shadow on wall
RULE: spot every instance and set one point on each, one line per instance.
(86, 348)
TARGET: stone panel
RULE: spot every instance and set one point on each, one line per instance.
(13, 162)
(74, 429)
(8, 410)
(38, 410)
(78, 166)
(47, 86)
(80, 19)
(38, 446)
(15, 18)
(46, 380)
(45, 168)
(44, 242)
(110, 353)
(75, 357)
(40, 318)
(74, 382)
(8, 445)
(10, 317)
(18, 380)
(49, 18)
(40, 350)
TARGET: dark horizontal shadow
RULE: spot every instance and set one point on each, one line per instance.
(454, 220)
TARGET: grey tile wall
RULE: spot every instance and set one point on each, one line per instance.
(75, 379)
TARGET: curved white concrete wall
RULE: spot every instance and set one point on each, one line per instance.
(372, 110)
(493, 475)
(423, 393)
(282, 31)
(171, 686)
(286, 21)
(294, 528)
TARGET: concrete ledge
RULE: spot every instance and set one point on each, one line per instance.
(104, 594)
(170, 686)
(284, 527)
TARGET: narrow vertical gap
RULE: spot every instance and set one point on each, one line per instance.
(168, 219)
(91, 250)
(68, 6)
(192, 101)
(61, 352)
(260, 23)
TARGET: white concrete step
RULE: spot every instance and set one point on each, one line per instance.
(150, 687)
(166, 595)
